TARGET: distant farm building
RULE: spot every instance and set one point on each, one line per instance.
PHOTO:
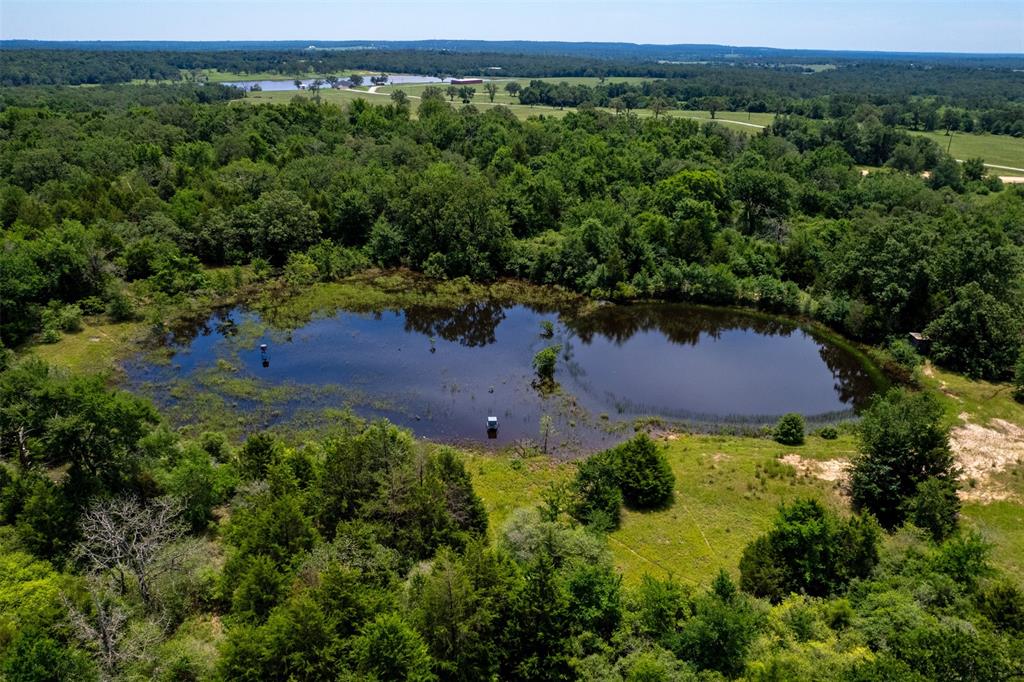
(467, 81)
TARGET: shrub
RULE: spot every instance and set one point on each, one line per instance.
(35, 656)
(388, 649)
(215, 444)
(300, 270)
(828, 432)
(809, 550)
(119, 306)
(256, 456)
(66, 318)
(1003, 604)
(260, 269)
(644, 475)
(935, 507)
(544, 362)
(789, 430)
(334, 262)
(903, 443)
(436, 266)
(904, 354)
(597, 496)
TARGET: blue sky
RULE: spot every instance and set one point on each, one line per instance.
(902, 25)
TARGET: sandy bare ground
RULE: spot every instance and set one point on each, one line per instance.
(983, 452)
(833, 470)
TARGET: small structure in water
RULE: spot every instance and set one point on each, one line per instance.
(492, 427)
(263, 353)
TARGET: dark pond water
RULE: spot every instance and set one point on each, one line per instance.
(443, 372)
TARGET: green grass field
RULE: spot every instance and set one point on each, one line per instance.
(723, 499)
(727, 492)
(728, 488)
(1000, 150)
(96, 348)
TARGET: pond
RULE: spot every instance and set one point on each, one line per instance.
(443, 372)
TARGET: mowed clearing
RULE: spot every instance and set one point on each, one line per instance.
(729, 488)
(1003, 152)
(727, 492)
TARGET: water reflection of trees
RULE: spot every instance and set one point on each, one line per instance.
(680, 324)
(472, 324)
(685, 324)
(853, 383)
(189, 328)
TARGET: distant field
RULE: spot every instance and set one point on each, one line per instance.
(735, 120)
(215, 76)
(1001, 150)
(326, 95)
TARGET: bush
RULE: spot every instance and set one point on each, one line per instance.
(544, 362)
(643, 472)
(790, 429)
(904, 354)
(260, 269)
(809, 550)
(828, 432)
(300, 270)
(35, 656)
(256, 456)
(597, 496)
(1003, 604)
(334, 262)
(119, 306)
(66, 318)
(935, 507)
(216, 445)
(903, 443)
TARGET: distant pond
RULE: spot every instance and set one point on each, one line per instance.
(443, 372)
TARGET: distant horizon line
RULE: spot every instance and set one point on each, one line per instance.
(307, 43)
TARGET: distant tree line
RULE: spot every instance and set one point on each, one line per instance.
(990, 115)
(968, 85)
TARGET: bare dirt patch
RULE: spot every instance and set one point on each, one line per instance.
(833, 470)
(983, 452)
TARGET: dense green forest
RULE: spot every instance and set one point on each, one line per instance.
(130, 551)
(610, 206)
